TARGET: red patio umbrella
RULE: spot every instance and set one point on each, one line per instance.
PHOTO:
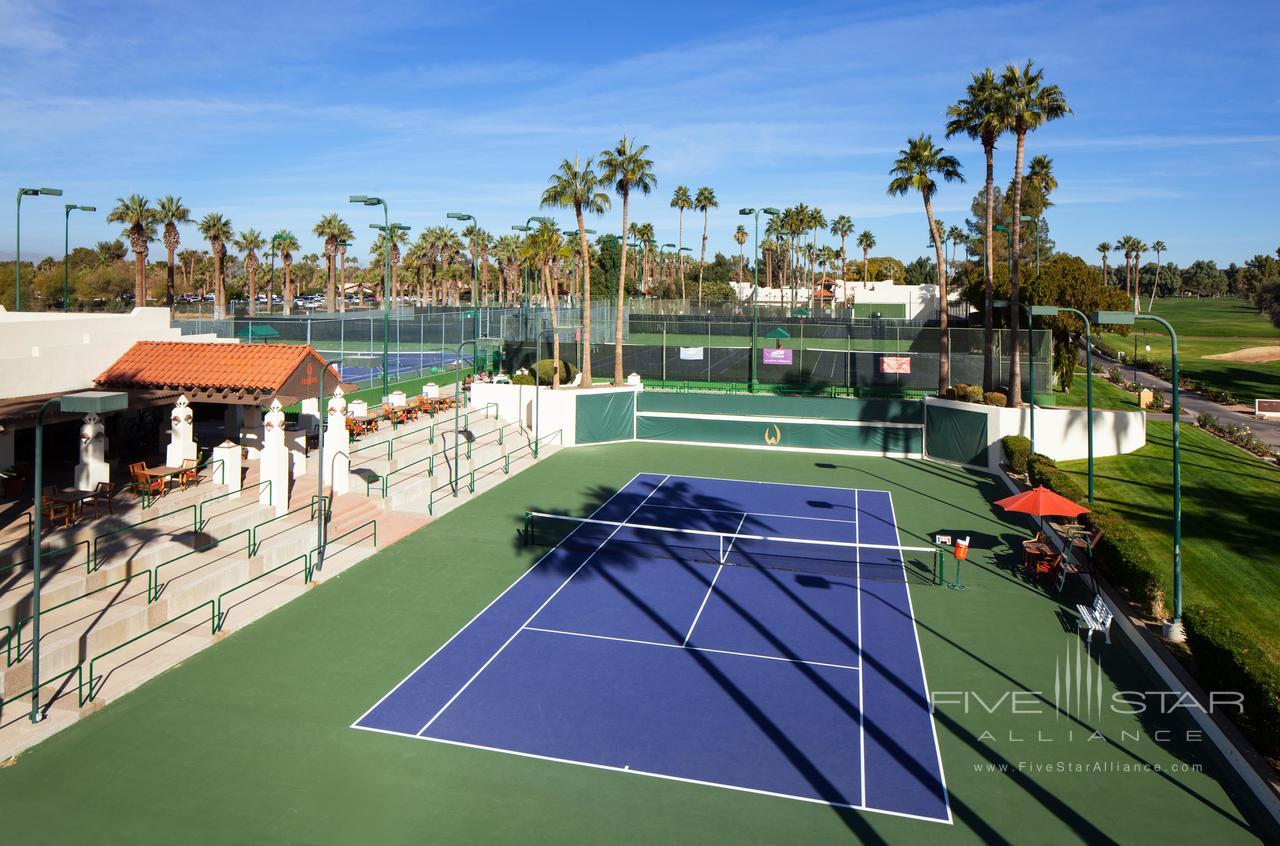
(1042, 502)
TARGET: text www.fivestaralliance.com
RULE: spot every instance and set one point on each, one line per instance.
(1084, 767)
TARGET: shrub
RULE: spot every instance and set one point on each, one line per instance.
(970, 393)
(1016, 449)
(522, 379)
(1225, 659)
(546, 372)
(1113, 374)
(995, 398)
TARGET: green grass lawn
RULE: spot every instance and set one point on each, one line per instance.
(1209, 327)
(1105, 395)
(1229, 528)
(249, 740)
(1232, 317)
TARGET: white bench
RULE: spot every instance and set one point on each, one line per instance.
(1095, 618)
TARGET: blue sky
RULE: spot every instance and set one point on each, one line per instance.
(274, 112)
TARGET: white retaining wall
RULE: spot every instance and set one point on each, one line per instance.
(559, 409)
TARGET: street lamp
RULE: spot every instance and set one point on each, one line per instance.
(475, 274)
(17, 265)
(1173, 630)
(754, 383)
(365, 200)
(66, 249)
(1050, 311)
(83, 402)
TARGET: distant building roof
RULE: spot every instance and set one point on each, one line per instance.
(220, 372)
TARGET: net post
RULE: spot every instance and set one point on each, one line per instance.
(528, 522)
(939, 565)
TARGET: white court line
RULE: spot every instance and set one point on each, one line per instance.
(692, 648)
(862, 733)
(749, 513)
(915, 629)
(487, 607)
(665, 777)
(544, 604)
(781, 484)
(723, 556)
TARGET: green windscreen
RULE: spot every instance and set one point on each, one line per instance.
(955, 434)
(605, 416)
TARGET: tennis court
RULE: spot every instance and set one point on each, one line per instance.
(755, 636)
(362, 367)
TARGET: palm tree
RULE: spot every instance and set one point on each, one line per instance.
(981, 116)
(704, 201)
(1138, 249)
(867, 242)
(914, 171)
(379, 249)
(330, 228)
(816, 223)
(576, 185)
(170, 212)
(216, 229)
(740, 236)
(507, 252)
(1159, 247)
(681, 200)
(540, 249)
(1105, 249)
(842, 228)
(249, 242)
(345, 237)
(626, 168)
(139, 220)
(1125, 244)
(1026, 105)
(956, 236)
(1040, 175)
(286, 243)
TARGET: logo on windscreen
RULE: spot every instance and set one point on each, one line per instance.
(772, 440)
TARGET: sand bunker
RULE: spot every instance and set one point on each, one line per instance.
(1254, 354)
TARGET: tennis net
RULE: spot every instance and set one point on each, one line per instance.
(632, 543)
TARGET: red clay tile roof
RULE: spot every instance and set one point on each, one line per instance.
(178, 364)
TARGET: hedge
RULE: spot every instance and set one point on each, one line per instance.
(1227, 660)
(1016, 449)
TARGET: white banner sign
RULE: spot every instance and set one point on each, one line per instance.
(691, 353)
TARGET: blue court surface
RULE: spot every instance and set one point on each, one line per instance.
(359, 367)
(794, 678)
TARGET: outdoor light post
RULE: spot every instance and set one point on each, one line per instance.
(1173, 630)
(526, 293)
(457, 394)
(84, 402)
(66, 250)
(537, 389)
(754, 383)
(386, 278)
(475, 274)
(17, 264)
(1050, 311)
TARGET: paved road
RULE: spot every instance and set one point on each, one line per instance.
(1268, 431)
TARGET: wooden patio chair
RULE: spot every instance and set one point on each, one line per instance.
(101, 499)
(144, 485)
(188, 473)
(55, 512)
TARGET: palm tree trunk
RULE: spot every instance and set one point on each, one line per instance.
(680, 250)
(168, 292)
(219, 293)
(702, 260)
(288, 292)
(139, 280)
(622, 293)
(586, 299)
(1154, 285)
(253, 291)
(1015, 316)
(944, 337)
(555, 325)
(329, 301)
(988, 282)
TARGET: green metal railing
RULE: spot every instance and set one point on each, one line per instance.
(306, 569)
(201, 522)
(49, 553)
(92, 694)
(310, 507)
(97, 560)
(44, 682)
(156, 584)
(505, 458)
(311, 556)
(14, 642)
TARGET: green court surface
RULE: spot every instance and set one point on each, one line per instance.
(249, 741)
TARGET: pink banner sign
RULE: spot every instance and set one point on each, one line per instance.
(776, 356)
(895, 364)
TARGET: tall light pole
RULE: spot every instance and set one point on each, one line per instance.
(1173, 629)
(84, 402)
(386, 280)
(17, 265)
(662, 252)
(1088, 353)
(754, 383)
(475, 277)
(66, 250)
